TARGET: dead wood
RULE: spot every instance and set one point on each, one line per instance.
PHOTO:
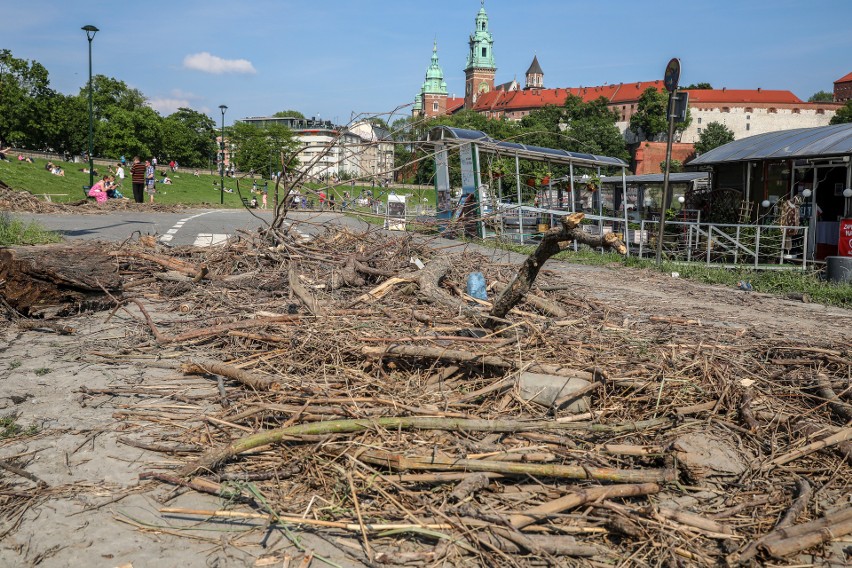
(64, 278)
(10, 467)
(578, 498)
(548, 307)
(746, 414)
(842, 410)
(207, 366)
(52, 326)
(438, 463)
(307, 299)
(803, 497)
(195, 272)
(469, 485)
(549, 245)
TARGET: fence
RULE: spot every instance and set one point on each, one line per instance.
(765, 246)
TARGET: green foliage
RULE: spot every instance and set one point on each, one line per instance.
(24, 91)
(821, 97)
(288, 114)
(189, 138)
(844, 114)
(712, 136)
(9, 428)
(649, 121)
(42, 371)
(674, 167)
(698, 86)
(13, 231)
(257, 147)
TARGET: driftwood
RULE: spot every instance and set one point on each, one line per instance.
(548, 307)
(299, 290)
(217, 456)
(549, 245)
(203, 367)
(61, 278)
(459, 356)
(438, 463)
(842, 410)
(789, 540)
(191, 270)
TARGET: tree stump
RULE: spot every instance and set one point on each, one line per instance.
(58, 279)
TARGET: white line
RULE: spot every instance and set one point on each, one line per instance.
(209, 239)
(171, 232)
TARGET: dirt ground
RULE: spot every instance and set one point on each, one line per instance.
(95, 510)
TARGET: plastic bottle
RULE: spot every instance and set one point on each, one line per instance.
(476, 286)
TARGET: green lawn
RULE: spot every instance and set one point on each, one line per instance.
(186, 189)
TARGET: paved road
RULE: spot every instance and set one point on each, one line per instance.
(201, 227)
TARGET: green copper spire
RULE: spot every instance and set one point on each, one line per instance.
(435, 84)
(481, 55)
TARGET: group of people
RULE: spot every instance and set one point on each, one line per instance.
(54, 169)
(104, 189)
(142, 179)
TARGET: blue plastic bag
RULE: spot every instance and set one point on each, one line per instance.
(476, 286)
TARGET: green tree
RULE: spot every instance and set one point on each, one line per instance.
(256, 147)
(843, 115)
(821, 97)
(698, 86)
(24, 87)
(68, 127)
(714, 135)
(675, 166)
(649, 121)
(188, 137)
(288, 114)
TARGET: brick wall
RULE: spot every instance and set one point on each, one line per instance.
(650, 154)
(842, 92)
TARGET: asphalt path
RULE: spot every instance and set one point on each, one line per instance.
(198, 226)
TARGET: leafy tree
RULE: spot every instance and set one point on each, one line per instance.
(256, 147)
(649, 122)
(843, 115)
(698, 86)
(188, 137)
(821, 97)
(714, 135)
(288, 114)
(24, 85)
(109, 93)
(68, 128)
(675, 166)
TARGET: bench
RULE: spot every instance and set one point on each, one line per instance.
(86, 189)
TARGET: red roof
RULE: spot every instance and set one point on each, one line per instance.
(622, 93)
(735, 96)
(454, 104)
(845, 79)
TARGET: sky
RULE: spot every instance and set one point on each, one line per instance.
(343, 59)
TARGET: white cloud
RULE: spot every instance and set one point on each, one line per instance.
(167, 105)
(208, 63)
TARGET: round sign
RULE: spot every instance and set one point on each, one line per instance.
(672, 75)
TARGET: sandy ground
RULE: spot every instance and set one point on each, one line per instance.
(96, 511)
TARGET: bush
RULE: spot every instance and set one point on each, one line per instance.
(14, 231)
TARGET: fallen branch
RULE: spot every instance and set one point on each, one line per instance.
(549, 245)
(215, 457)
(207, 366)
(308, 299)
(191, 270)
(53, 326)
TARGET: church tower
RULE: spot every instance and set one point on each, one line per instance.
(432, 100)
(535, 76)
(480, 69)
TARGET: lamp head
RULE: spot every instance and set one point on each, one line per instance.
(765, 203)
(806, 193)
(90, 31)
(847, 193)
(681, 200)
(223, 108)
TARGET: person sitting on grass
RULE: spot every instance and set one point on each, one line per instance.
(98, 191)
(166, 179)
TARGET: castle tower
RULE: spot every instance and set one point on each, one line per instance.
(535, 76)
(432, 100)
(480, 69)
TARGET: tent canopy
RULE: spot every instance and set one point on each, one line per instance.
(457, 136)
(799, 143)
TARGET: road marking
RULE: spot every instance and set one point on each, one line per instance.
(170, 234)
(209, 239)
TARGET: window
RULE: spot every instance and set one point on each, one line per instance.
(820, 111)
(484, 51)
(699, 131)
(771, 111)
(699, 120)
(435, 106)
(795, 111)
(726, 109)
(748, 126)
(748, 117)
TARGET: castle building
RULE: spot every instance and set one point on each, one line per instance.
(745, 111)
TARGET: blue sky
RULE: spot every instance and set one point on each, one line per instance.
(339, 58)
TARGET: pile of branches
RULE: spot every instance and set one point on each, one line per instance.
(349, 392)
(26, 202)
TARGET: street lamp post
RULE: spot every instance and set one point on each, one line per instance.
(90, 35)
(223, 108)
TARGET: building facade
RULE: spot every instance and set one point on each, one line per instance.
(744, 111)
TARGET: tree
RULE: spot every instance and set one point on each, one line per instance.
(698, 86)
(24, 87)
(821, 97)
(649, 122)
(288, 114)
(188, 137)
(714, 135)
(258, 147)
(843, 115)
